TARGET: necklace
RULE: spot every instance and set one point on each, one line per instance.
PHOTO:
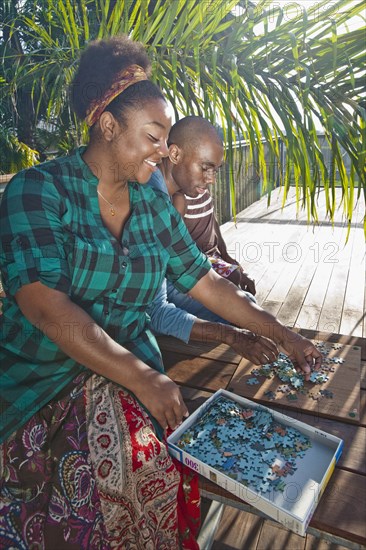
(112, 204)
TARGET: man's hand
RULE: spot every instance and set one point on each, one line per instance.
(246, 283)
(257, 349)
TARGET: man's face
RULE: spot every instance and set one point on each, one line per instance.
(197, 166)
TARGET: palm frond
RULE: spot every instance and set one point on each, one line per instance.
(270, 77)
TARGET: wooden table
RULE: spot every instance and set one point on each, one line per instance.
(340, 517)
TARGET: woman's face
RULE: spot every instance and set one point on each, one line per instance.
(140, 145)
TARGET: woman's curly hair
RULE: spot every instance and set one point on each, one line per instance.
(99, 64)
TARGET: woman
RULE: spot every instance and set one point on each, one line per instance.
(84, 248)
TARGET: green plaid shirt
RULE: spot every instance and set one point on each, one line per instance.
(51, 231)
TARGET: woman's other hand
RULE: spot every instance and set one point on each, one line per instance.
(302, 352)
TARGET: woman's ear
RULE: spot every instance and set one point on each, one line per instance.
(108, 125)
(175, 154)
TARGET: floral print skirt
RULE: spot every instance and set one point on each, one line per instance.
(88, 472)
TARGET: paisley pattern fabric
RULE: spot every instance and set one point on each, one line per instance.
(220, 266)
(88, 472)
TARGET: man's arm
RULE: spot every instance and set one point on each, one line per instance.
(169, 320)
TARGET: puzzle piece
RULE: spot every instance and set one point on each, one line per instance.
(297, 382)
(284, 370)
(315, 395)
(270, 395)
(326, 393)
(291, 396)
(252, 381)
(318, 378)
(285, 388)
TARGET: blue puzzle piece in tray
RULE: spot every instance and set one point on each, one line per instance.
(244, 444)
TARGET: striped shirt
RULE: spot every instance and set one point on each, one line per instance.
(51, 231)
(199, 219)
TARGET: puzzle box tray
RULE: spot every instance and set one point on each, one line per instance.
(284, 475)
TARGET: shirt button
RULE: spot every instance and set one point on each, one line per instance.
(124, 265)
(114, 290)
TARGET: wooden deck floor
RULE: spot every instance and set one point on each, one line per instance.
(307, 276)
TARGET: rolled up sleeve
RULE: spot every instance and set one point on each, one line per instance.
(31, 243)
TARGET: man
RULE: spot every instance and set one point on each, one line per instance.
(195, 156)
(192, 166)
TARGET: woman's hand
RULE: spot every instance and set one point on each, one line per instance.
(224, 299)
(257, 349)
(302, 352)
(162, 397)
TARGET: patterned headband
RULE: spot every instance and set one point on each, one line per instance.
(129, 76)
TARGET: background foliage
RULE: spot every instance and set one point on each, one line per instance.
(265, 74)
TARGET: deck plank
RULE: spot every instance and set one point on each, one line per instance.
(238, 530)
(211, 350)
(314, 543)
(275, 536)
(332, 310)
(363, 375)
(309, 296)
(198, 372)
(313, 303)
(343, 504)
(340, 512)
(298, 263)
(351, 322)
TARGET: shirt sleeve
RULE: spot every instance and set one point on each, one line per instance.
(187, 264)
(31, 243)
(168, 319)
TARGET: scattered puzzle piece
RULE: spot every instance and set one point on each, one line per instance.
(294, 382)
(270, 395)
(291, 396)
(252, 381)
(285, 388)
(337, 346)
